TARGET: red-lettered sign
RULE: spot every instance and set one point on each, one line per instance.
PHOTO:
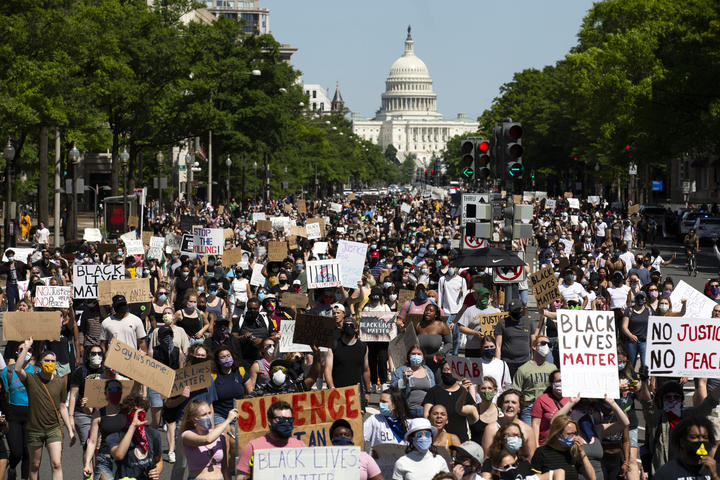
(470, 368)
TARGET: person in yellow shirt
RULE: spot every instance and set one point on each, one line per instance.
(25, 224)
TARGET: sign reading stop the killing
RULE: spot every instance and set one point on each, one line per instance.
(683, 347)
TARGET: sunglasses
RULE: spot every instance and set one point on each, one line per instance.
(282, 369)
(422, 434)
(543, 343)
(96, 354)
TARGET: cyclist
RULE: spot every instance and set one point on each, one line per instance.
(692, 247)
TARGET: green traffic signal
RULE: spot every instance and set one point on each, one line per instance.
(515, 169)
(467, 172)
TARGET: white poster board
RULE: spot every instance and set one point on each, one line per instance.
(683, 347)
(588, 353)
(52, 296)
(257, 279)
(313, 231)
(86, 278)
(323, 273)
(21, 254)
(134, 247)
(126, 237)
(405, 208)
(92, 235)
(156, 248)
(208, 241)
(593, 199)
(320, 248)
(697, 306)
(335, 207)
(550, 204)
(573, 203)
(351, 256)
(318, 463)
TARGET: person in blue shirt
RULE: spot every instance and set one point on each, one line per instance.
(17, 413)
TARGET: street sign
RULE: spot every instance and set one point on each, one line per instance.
(473, 243)
(633, 169)
(510, 274)
(472, 207)
(657, 185)
(468, 172)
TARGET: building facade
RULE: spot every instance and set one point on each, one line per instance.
(408, 117)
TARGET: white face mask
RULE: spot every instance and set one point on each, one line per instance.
(279, 377)
(95, 361)
(167, 318)
(663, 308)
(392, 297)
(543, 350)
(271, 350)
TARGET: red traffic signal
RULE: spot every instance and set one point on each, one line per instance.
(627, 147)
(575, 158)
(426, 171)
(483, 146)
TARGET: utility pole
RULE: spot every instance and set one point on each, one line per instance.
(58, 167)
(209, 188)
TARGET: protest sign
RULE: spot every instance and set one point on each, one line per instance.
(351, 256)
(588, 353)
(136, 290)
(593, 199)
(129, 236)
(257, 279)
(140, 367)
(297, 300)
(156, 248)
(573, 203)
(335, 207)
(314, 413)
(405, 208)
(280, 223)
(683, 347)
(24, 284)
(92, 235)
(20, 326)
(277, 250)
(187, 221)
(574, 219)
(313, 231)
(377, 326)
(172, 242)
(21, 254)
(404, 295)
(95, 391)
(301, 207)
(323, 273)
(319, 221)
(134, 247)
(306, 463)
(287, 332)
(52, 296)
(517, 199)
(399, 346)
(540, 195)
(567, 195)
(221, 209)
(132, 221)
(232, 256)
(264, 226)
(550, 204)
(545, 286)
(287, 207)
(292, 242)
(146, 236)
(103, 248)
(386, 453)
(488, 321)
(633, 209)
(228, 233)
(470, 368)
(259, 216)
(298, 231)
(528, 197)
(315, 330)
(320, 248)
(697, 305)
(208, 241)
(196, 376)
(186, 247)
(86, 278)
(351, 197)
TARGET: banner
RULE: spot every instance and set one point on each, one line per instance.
(136, 290)
(157, 244)
(470, 368)
(196, 376)
(140, 367)
(323, 273)
(546, 286)
(52, 296)
(95, 391)
(588, 353)
(208, 241)
(20, 326)
(377, 326)
(314, 413)
(317, 330)
(351, 256)
(399, 346)
(697, 306)
(683, 347)
(86, 278)
(307, 463)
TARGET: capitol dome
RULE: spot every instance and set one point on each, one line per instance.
(408, 88)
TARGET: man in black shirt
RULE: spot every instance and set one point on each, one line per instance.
(693, 438)
(347, 363)
(16, 271)
(512, 336)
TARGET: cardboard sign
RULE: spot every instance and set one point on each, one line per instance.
(287, 208)
(567, 195)
(132, 221)
(320, 221)
(86, 278)
(292, 242)
(92, 235)
(277, 250)
(301, 207)
(95, 391)
(52, 296)
(399, 346)
(404, 295)
(146, 236)
(173, 242)
(208, 241)
(697, 306)
(314, 413)
(20, 326)
(228, 233)
(588, 353)
(297, 300)
(136, 290)
(633, 209)
(232, 256)
(351, 256)
(298, 231)
(683, 347)
(264, 226)
(470, 368)
(194, 376)
(221, 209)
(351, 197)
(315, 330)
(377, 326)
(257, 279)
(323, 274)
(308, 462)
(287, 332)
(156, 248)
(546, 286)
(489, 321)
(141, 368)
(313, 231)
(134, 247)
(573, 203)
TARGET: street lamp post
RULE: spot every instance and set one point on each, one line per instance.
(228, 163)
(9, 153)
(255, 180)
(75, 159)
(161, 163)
(124, 157)
(189, 161)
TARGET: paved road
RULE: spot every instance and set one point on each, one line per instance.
(72, 457)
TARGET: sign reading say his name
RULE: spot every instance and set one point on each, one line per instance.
(195, 376)
(140, 367)
(136, 290)
(95, 391)
(351, 256)
(470, 368)
(86, 278)
(546, 286)
(308, 462)
(314, 413)
(20, 326)
(208, 241)
(52, 296)
(588, 353)
(683, 347)
(377, 326)
(314, 330)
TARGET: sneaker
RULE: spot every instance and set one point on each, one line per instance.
(171, 457)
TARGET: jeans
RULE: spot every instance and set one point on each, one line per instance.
(633, 349)
(525, 413)
(13, 296)
(455, 333)
(17, 421)
(523, 297)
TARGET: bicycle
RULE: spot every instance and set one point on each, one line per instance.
(691, 263)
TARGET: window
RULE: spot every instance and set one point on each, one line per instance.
(314, 93)
(322, 106)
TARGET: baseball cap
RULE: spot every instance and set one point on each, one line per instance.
(339, 306)
(471, 449)
(118, 300)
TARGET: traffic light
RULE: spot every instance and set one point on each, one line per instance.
(512, 139)
(482, 163)
(467, 154)
(426, 176)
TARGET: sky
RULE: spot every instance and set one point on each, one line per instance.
(471, 47)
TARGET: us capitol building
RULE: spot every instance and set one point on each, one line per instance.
(408, 118)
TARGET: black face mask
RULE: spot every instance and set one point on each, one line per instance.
(121, 310)
(691, 449)
(348, 330)
(448, 378)
(251, 315)
(510, 474)
(516, 314)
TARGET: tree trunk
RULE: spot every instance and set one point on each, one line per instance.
(114, 166)
(43, 197)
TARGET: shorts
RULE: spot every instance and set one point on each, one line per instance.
(155, 398)
(38, 439)
(633, 434)
(104, 466)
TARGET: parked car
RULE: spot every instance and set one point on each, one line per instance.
(688, 221)
(707, 227)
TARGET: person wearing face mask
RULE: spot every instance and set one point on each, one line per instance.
(46, 405)
(105, 421)
(508, 441)
(470, 322)
(546, 406)
(458, 402)
(619, 293)
(204, 442)
(194, 321)
(123, 325)
(184, 282)
(215, 305)
(280, 421)
(158, 305)
(240, 292)
(634, 328)
(347, 362)
(390, 425)
(15, 271)
(562, 451)
(377, 351)
(341, 434)
(452, 290)
(415, 379)
(17, 408)
(422, 459)
(80, 414)
(693, 439)
(512, 337)
(571, 290)
(533, 376)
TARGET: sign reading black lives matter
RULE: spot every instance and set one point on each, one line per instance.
(86, 278)
(377, 326)
(546, 286)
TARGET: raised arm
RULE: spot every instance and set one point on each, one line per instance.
(22, 359)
